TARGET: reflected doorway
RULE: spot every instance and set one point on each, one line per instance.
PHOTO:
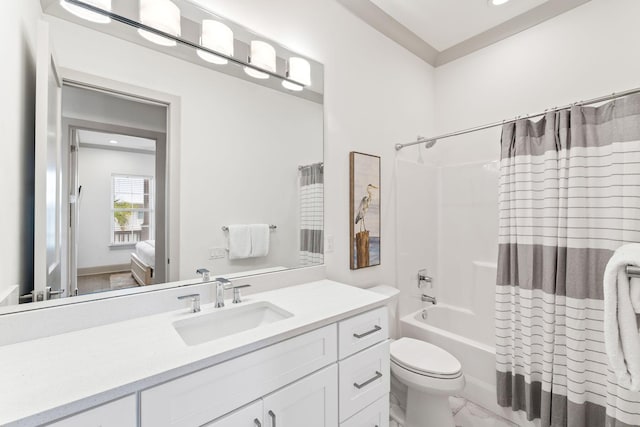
(117, 182)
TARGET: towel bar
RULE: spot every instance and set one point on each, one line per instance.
(633, 271)
(272, 227)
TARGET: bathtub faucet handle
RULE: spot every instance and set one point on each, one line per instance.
(423, 278)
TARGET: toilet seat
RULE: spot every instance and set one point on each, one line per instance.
(423, 358)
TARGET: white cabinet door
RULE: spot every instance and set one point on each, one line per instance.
(120, 413)
(248, 416)
(310, 402)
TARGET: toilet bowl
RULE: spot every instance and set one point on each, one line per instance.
(431, 375)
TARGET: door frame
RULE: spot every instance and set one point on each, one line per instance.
(172, 158)
(43, 267)
(70, 127)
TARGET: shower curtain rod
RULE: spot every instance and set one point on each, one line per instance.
(430, 142)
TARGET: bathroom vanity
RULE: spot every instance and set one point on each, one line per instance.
(309, 355)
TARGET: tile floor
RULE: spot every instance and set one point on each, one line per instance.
(466, 414)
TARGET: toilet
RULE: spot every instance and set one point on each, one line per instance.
(430, 373)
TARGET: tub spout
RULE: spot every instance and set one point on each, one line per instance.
(428, 298)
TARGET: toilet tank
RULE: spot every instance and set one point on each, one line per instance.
(392, 306)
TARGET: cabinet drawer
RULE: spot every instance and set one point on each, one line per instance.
(198, 398)
(249, 416)
(364, 378)
(119, 413)
(374, 415)
(362, 331)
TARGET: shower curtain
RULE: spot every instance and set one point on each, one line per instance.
(569, 196)
(311, 214)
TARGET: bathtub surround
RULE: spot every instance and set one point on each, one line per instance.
(568, 188)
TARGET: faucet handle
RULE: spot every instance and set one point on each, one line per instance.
(237, 298)
(195, 301)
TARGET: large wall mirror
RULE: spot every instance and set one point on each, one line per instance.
(169, 140)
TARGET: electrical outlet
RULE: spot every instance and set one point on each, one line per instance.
(329, 248)
(217, 253)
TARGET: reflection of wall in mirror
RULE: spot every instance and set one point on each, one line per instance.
(96, 167)
(240, 145)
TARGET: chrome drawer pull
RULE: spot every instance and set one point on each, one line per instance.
(259, 424)
(364, 334)
(273, 418)
(369, 381)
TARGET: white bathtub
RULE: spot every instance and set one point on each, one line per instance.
(471, 341)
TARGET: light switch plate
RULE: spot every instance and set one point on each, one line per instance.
(217, 253)
(329, 248)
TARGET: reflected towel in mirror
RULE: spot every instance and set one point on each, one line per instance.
(259, 240)
(239, 241)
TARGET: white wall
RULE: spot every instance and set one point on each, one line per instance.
(376, 94)
(95, 168)
(18, 22)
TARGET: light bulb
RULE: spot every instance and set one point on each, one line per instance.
(263, 55)
(218, 37)
(498, 2)
(299, 71)
(162, 15)
(83, 13)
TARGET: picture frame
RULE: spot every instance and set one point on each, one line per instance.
(364, 210)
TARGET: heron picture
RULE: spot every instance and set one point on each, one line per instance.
(364, 210)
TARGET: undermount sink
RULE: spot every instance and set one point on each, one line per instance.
(228, 321)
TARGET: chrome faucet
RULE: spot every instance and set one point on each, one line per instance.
(428, 298)
(195, 301)
(221, 284)
(206, 276)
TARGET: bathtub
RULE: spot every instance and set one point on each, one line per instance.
(471, 340)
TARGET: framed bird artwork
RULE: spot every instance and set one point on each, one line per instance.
(364, 210)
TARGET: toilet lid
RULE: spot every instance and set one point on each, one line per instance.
(423, 357)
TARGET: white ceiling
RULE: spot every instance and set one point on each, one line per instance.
(445, 23)
(102, 140)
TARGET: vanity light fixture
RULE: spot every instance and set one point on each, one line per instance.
(217, 37)
(162, 15)
(87, 14)
(497, 2)
(298, 70)
(263, 55)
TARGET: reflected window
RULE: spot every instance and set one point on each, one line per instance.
(132, 210)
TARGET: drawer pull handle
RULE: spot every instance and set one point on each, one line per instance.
(273, 418)
(364, 334)
(369, 381)
(259, 424)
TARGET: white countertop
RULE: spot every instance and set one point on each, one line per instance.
(49, 378)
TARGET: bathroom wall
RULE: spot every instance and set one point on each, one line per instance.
(17, 115)
(95, 168)
(376, 94)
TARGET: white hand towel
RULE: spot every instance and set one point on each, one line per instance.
(621, 335)
(259, 240)
(239, 242)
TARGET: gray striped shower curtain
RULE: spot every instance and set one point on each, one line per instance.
(569, 196)
(311, 215)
